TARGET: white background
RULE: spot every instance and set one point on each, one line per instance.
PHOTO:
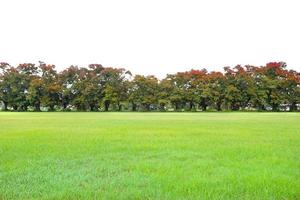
(150, 37)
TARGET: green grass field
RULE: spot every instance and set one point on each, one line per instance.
(150, 156)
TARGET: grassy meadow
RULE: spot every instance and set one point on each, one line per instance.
(150, 156)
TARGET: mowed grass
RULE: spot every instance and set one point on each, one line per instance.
(150, 156)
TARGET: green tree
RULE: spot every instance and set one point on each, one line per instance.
(4, 86)
(174, 89)
(144, 90)
(115, 87)
(51, 86)
(35, 93)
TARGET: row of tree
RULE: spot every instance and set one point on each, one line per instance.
(97, 88)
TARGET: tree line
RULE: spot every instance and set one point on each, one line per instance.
(96, 88)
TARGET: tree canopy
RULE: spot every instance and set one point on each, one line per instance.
(96, 88)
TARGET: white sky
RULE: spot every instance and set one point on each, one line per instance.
(151, 37)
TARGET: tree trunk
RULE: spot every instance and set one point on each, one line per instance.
(162, 107)
(219, 104)
(51, 108)
(204, 107)
(5, 106)
(147, 106)
(293, 107)
(15, 107)
(37, 107)
(235, 106)
(275, 107)
(106, 105)
(25, 108)
(92, 107)
(176, 107)
(261, 107)
(133, 107)
(191, 106)
(65, 106)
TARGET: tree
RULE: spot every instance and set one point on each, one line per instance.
(271, 78)
(35, 92)
(50, 85)
(94, 88)
(14, 89)
(291, 89)
(217, 90)
(144, 89)
(4, 87)
(163, 94)
(79, 81)
(68, 80)
(174, 90)
(115, 90)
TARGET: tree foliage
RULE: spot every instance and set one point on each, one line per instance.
(97, 88)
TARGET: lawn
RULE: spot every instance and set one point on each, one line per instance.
(150, 156)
